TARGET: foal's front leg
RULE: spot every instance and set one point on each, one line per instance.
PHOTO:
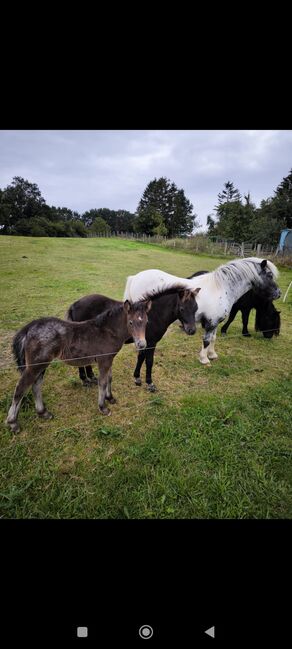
(108, 393)
(103, 379)
(207, 340)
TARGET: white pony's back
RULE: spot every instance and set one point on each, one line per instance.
(153, 280)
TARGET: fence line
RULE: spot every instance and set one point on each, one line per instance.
(197, 243)
(12, 363)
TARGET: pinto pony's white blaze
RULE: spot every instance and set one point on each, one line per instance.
(220, 289)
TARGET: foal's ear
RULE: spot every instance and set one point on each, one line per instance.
(127, 306)
(195, 291)
(264, 264)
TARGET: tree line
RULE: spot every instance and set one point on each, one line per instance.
(239, 219)
(163, 210)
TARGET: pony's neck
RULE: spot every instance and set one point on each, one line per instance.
(239, 288)
(116, 323)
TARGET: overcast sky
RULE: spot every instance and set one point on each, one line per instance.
(91, 169)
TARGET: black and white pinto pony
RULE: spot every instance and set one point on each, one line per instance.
(220, 289)
(267, 319)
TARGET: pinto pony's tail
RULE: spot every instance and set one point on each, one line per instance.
(18, 348)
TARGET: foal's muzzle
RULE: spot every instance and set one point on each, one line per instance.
(140, 343)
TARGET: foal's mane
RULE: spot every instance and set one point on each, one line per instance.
(102, 318)
(242, 268)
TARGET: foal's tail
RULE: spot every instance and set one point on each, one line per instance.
(18, 347)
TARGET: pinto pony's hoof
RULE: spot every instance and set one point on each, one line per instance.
(14, 426)
(205, 362)
(151, 387)
(138, 381)
(213, 357)
(105, 411)
(45, 415)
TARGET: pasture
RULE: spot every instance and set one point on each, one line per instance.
(213, 442)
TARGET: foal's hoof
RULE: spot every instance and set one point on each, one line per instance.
(138, 381)
(111, 399)
(151, 387)
(46, 415)
(247, 335)
(13, 426)
(105, 411)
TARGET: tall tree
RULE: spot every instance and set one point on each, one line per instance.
(20, 200)
(163, 198)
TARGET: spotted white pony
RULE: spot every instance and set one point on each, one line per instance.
(220, 289)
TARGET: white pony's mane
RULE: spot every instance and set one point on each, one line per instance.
(239, 268)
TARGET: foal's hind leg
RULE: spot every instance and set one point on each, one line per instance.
(27, 379)
(211, 349)
(108, 393)
(38, 399)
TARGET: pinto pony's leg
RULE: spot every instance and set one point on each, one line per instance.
(28, 377)
(38, 399)
(207, 338)
(232, 315)
(211, 349)
(149, 365)
(108, 393)
(140, 361)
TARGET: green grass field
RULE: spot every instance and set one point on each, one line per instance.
(213, 442)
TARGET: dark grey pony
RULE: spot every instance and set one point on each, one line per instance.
(76, 343)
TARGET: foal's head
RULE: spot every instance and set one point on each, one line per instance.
(268, 287)
(187, 309)
(137, 319)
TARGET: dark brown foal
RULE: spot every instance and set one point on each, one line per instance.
(75, 343)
